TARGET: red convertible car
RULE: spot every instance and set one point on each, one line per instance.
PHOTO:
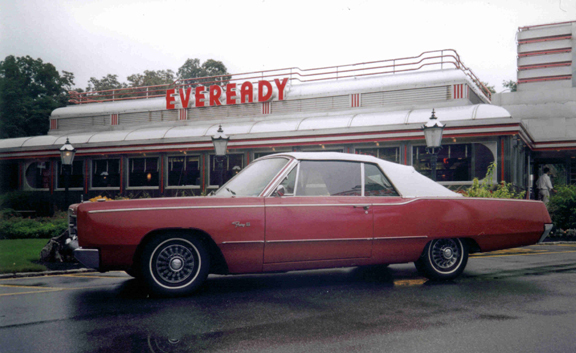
(298, 211)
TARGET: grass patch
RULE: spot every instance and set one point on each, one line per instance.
(17, 255)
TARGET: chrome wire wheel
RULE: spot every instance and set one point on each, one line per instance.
(175, 262)
(443, 259)
(445, 253)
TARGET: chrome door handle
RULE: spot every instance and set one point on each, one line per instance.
(365, 207)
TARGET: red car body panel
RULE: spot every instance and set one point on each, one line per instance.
(256, 234)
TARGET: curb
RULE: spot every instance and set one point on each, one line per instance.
(44, 273)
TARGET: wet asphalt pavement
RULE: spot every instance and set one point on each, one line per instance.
(519, 300)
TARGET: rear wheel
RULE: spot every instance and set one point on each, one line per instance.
(174, 264)
(443, 259)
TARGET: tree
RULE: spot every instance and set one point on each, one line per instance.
(29, 91)
(512, 85)
(192, 69)
(152, 78)
(107, 82)
(489, 88)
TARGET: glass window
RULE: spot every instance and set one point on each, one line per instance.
(38, 175)
(376, 183)
(457, 162)
(106, 173)
(143, 172)
(289, 182)
(253, 180)
(390, 154)
(329, 178)
(232, 165)
(76, 175)
(184, 171)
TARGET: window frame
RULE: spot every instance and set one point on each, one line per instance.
(57, 170)
(129, 187)
(91, 171)
(167, 171)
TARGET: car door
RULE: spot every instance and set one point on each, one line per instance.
(323, 215)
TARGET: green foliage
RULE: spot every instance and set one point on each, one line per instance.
(107, 82)
(562, 206)
(486, 188)
(27, 228)
(193, 69)
(512, 85)
(489, 88)
(29, 91)
(152, 78)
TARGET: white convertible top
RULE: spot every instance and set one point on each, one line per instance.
(407, 181)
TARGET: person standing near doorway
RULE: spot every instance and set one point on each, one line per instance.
(544, 185)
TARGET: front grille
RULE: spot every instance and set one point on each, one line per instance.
(72, 225)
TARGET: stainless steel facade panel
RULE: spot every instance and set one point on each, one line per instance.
(83, 123)
(549, 45)
(545, 72)
(540, 32)
(544, 59)
(406, 97)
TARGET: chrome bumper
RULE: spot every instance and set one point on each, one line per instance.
(547, 230)
(88, 257)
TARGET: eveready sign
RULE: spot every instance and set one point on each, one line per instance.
(215, 95)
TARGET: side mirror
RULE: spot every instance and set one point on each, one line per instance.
(280, 191)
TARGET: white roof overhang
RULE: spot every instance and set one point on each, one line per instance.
(250, 132)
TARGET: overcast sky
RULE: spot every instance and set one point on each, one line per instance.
(123, 37)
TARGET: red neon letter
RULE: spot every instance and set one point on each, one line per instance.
(199, 95)
(185, 98)
(268, 95)
(231, 93)
(170, 99)
(281, 87)
(246, 90)
(215, 93)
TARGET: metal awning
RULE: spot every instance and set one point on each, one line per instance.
(241, 130)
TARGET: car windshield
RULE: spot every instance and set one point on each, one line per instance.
(254, 178)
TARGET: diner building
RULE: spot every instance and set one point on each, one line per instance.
(157, 141)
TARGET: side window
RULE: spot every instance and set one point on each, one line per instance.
(329, 178)
(376, 183)
(290, 182)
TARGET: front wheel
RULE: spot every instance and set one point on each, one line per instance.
(174, 265)
(443, 259)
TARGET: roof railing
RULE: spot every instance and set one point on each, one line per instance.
(429, 60)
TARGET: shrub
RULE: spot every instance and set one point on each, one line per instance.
(486, 189)
(562, 206)
(26, 228)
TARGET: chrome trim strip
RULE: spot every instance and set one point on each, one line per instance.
(172, 208)
(317, 240)
(400, 238)
(244, 242)
(547, 229)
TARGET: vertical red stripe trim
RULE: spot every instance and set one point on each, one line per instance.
(502, 159)
(51, 177)
(121, 174)
(203, 173)
(162, 174)
(86, 176)
(20, 181)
